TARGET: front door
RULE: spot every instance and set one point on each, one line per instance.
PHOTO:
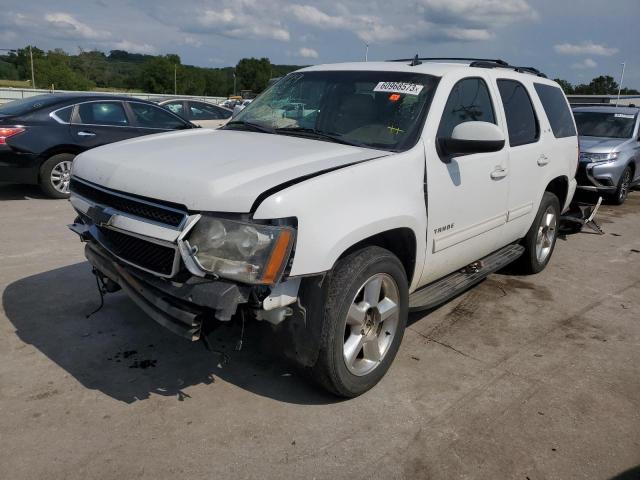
(467, 195)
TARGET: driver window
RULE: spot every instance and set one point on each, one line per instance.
(468, 101)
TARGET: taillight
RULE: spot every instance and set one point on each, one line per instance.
(6, 132)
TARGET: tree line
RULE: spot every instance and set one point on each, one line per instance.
(155, 73)
(602, 85)
(122, 70)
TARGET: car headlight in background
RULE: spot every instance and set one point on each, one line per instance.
(599, 157)
(246, 252)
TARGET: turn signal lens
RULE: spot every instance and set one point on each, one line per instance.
(279, 255)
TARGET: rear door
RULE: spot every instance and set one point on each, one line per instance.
(99, 122)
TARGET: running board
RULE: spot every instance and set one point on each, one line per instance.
(445, 289)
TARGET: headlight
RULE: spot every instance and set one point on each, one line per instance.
(599, 157)
(246, 252)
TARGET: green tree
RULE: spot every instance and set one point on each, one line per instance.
(253, 74)
(157, 74)
(54, 69)
(565, 85)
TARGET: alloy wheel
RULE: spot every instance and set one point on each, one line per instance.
(546, 234)
(61, 176)
(371, 324)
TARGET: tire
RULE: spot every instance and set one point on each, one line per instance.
(56, 167)
(622, 191)
(375, 324)
(540, 240)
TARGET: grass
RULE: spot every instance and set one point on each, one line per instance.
(15, 83)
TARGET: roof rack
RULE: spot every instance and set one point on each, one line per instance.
(474, 62)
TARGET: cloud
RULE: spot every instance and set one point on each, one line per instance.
(134, 47)
(585, 64)
(585, 48)
(239, 19)
(191, 41)
(434, 20)
(305, 52)
(65, 25)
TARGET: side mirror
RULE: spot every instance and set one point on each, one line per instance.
(473, 137)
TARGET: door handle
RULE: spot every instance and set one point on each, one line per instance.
(543, 160)
(499, 173)
(84, 133)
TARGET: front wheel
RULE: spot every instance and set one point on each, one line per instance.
(540, 241)
(622, 191)
(55, 175)
(364, 320)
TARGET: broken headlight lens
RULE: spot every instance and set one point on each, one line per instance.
(246, 252)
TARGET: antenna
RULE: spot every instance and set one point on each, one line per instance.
(620, 85)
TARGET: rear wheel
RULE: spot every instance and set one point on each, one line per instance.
(55, 175)
(364, 320)
(624, 185)
(540, 241)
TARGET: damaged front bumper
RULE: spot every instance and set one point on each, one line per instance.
(181, 307)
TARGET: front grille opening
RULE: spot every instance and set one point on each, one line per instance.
(142, 253)
(128, 205)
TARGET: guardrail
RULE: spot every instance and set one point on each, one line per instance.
(8, 94)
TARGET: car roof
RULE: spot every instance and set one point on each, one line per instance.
(608, 109)
(435, 68)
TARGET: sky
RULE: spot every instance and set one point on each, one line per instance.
(572, 39)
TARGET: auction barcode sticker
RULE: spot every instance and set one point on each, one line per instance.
(399, 87)
(624, 115)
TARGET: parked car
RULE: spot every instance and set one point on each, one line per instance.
(201, 113)
(388, 186)
(241, 106)
(40, 136)
(609, 150)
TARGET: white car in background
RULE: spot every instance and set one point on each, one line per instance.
(241, 106)
(201, 113)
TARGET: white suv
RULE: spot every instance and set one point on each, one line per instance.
(342, 197)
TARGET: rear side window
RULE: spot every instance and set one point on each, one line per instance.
(468, 101)
(102, 113)
(202, 111)
(149, 116)
(521, 117)
(557, 110)
(64, 114)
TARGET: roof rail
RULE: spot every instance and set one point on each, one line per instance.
(474, 62)
(458, 59)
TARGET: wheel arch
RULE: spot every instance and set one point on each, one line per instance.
(399, 241)
(559, 186)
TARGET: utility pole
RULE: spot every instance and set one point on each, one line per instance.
(175, 79)
(620, 84)
(366, 53)
(234, 83)
(33, 77)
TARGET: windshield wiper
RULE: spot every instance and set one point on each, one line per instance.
(312, 132)
(253, 126)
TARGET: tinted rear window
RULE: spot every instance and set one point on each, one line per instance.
(557, 110)
(20, 107)
(522, 122)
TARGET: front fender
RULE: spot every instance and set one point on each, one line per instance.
(340, 208)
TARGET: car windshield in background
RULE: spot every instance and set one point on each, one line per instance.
(605, 124)
(383, 110)
(19, 107)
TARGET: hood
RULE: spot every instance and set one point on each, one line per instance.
(211, 170)
(601, 144)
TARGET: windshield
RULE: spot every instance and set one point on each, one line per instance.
(18, 107)
(603, 124)
(383, 110)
